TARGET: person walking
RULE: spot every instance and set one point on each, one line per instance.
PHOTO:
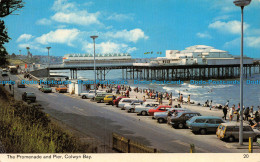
(210, 105)
(251, 111)
(238, 111)
(181, 99)
(246, 113)
(189, 99)
(231, 112)
(225, 113)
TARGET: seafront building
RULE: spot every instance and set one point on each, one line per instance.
(199, 55)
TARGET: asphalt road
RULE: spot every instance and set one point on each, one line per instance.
(99, 121)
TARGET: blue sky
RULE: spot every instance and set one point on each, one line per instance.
(132, 26)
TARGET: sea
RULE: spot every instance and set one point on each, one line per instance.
(225, 90)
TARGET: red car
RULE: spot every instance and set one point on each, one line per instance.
(161, 108)
(116, 101)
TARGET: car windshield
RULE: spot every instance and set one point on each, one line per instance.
(30, 94)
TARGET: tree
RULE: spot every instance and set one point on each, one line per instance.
(7, 7)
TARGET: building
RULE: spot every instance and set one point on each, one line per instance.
(199, 55)
(71, 59)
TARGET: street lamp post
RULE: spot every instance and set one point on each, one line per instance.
(242, 4)
(48, 62)
(94, 37)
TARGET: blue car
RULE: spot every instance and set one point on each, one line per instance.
(204, 124)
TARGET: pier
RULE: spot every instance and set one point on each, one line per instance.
(165, 72)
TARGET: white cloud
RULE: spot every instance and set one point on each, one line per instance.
(44, 21)
(233, 43)
(233, 26)
(32, 45)
(203, 35)
(24, 37)
(63, 5)
(253, 41)
(120, 17)
(131, 36)
(63, 36)
(108, 47)
(222, 17)
(79, 18)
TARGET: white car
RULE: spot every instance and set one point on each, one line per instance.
(143, 109)
(124, 101)
(90, 94)
(130, 107)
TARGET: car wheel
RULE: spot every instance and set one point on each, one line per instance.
(258, 136)
(231, 139)
(180, 125)
(110, 102)
(132, 110)
(143, 113)
(160, 120)
(203, 131)
(84, 97)
(101, 101)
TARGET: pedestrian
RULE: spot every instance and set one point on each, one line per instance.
(210, 105)
(231, 112)
(251, 111)
(170, 101)
(144, 98)
(246, 113)
(189, 99)
(181, 99)
(238, 111)
(225, 113)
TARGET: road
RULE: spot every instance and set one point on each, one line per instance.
(99, 120)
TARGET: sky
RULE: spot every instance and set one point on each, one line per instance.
(132, 26)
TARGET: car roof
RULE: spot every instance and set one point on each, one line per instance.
(234, 124)
(207, 117)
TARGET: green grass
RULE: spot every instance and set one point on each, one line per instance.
(27, 129)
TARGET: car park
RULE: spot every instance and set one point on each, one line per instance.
(61, 88)
(124, 101)
(143, 109)
(161, 108)
(29, 96)
(230, 131)
(130, 107)
(161, 117)
(46, 89)
(204, 124)
(179, 121)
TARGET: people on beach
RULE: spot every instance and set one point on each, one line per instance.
(189, 99)
(181, 99)
(210, 105)
(231, 112)
(225, 112)
(251, 111)
(246, 113)
(238, 111)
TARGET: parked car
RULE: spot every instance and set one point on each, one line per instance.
(4, 73)
(100, 97)
(179, 121)
(116, 101)
(29, 96)
(123, 101)
(204, 124)
(143, 109)
(161, 117)
(46, 89)
(109, 98)
(230, 131)
(20, 85)
(61, 88)
(130, 107)
(90, 94)
(161, 108)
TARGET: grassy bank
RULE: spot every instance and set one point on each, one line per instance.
(26, 129)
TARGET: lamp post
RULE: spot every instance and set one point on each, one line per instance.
(48, 62)
(242, 4)
(94, 37)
